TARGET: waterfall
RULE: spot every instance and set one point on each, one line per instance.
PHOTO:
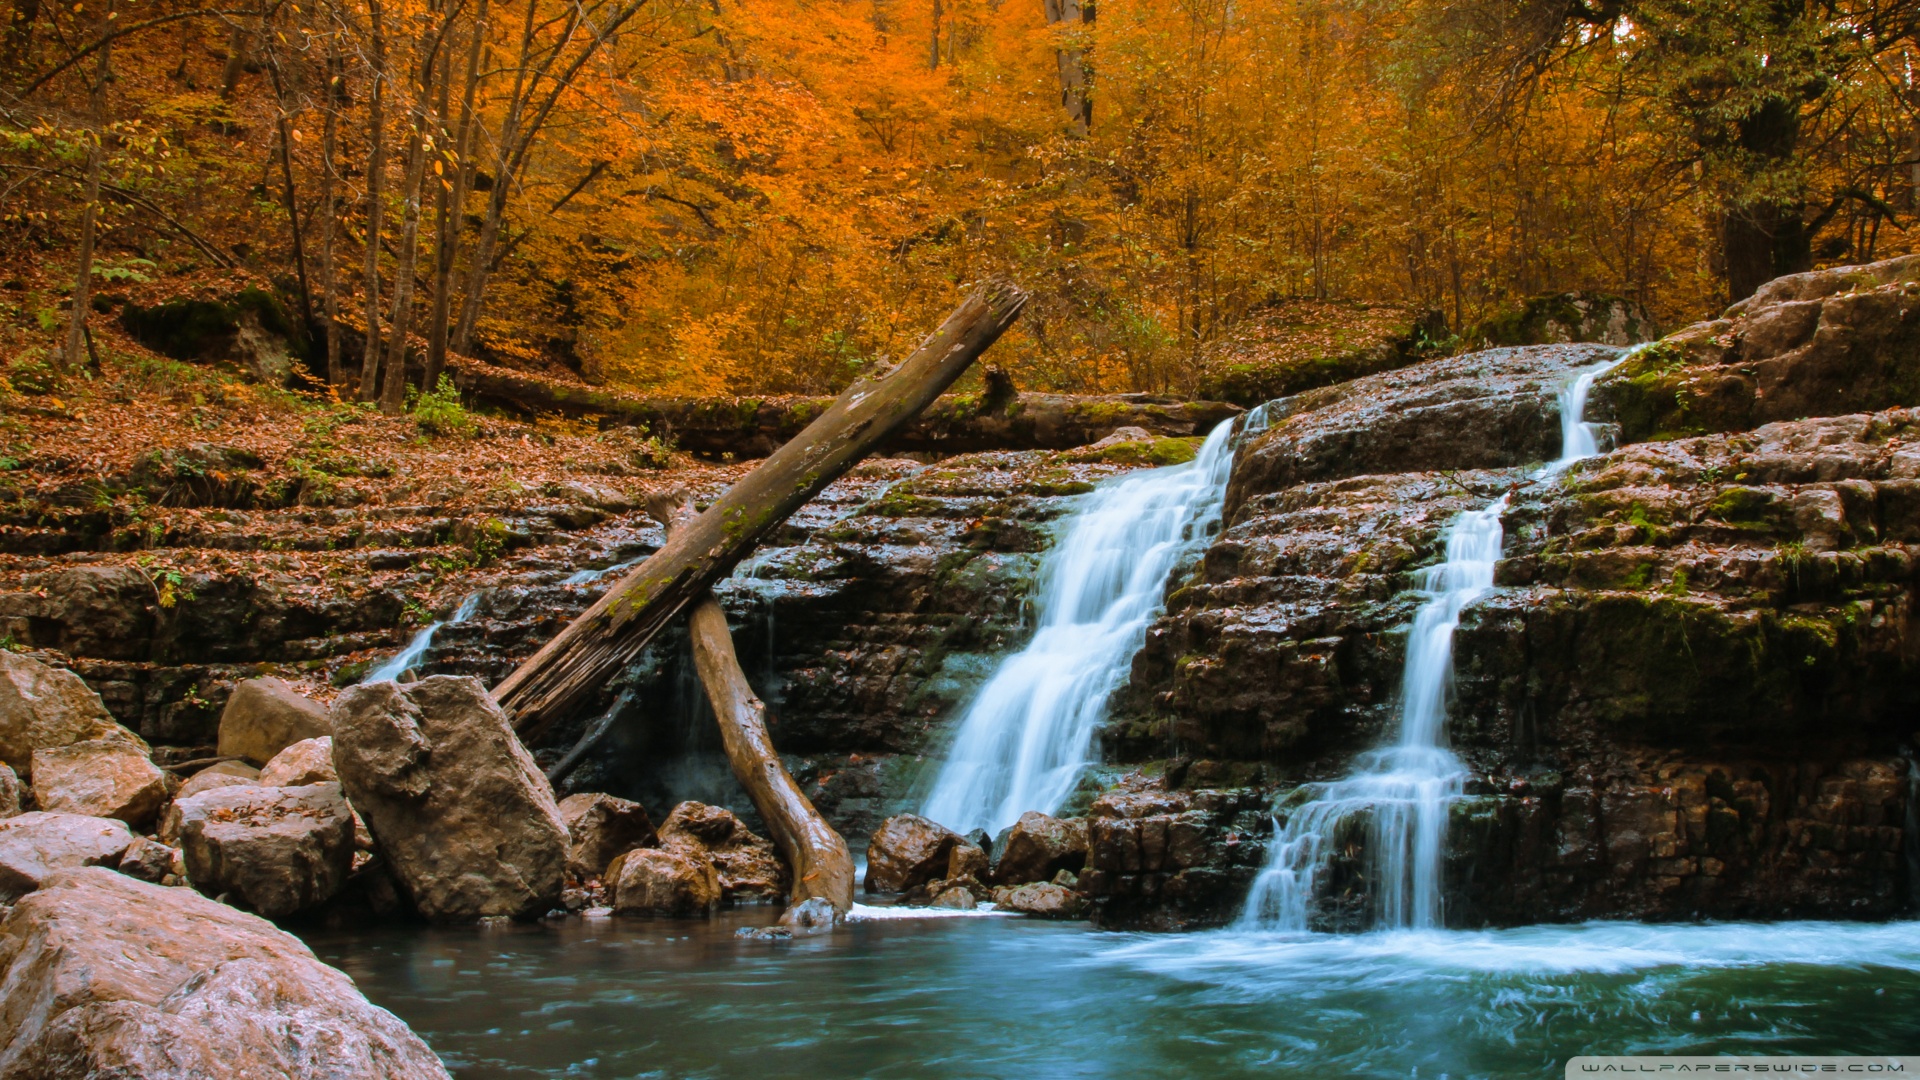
(1405, 791)
(409, 658)
(1028, 735)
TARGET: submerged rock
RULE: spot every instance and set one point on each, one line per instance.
(674, 880)
(273, 850)
(815, 915)
(455, 802)
(309, 761)
(601, 828)
(1040, 846)
(104, 976)
(106, 777)
(1043, 899)
(37, 844)
(265, 716)
(747, 865)
(45, 708)
(908, 850)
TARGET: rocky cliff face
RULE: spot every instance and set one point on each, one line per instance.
(1691, 695)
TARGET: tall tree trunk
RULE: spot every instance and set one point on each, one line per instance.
(376, 174)
(284, 127)
(450, 204)
(393, 388)
(329, 210)
(1766, 236)
(236, 61)
(96, 151)
(1068, 17)
(933, 50)
(604, 639)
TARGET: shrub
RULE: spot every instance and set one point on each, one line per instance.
(439, 412)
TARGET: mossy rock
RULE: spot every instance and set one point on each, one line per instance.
(1560, 318)
(253, 328)
(1157, 453)
(1299, 345)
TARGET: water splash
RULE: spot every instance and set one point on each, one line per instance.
(409, 658)
(1028, 735)
(1404, 792)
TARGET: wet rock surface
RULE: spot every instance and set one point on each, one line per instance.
(600, 828)
(107, 777)
(45, 708)
(745, 864)
(908, 850)
(102, 975)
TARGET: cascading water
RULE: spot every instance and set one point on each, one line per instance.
(1028, 735)
(1406, 790)
(408, 658)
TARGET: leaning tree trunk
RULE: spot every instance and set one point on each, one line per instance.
(608, 635)
(822, 867)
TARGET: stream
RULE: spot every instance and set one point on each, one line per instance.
(1014, 998)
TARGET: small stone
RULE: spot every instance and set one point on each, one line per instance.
(273, 850)
(9, 792)
(811, 916)
(105, 777)
(1040, 846)
(309, 761)
(265, 716)
(148, 860)
(748, 867)
(907, 850)
(225, 774)
(1042, 899)
(601, 828)
(36, 844)
(676, 880)
(967, 859)
(956, 897)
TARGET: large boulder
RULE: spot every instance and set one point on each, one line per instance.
(746, 862)
(104, 976)
(309, 761)
(107, 777)
(9, 791)
(43, 708)
(454, 800)
(908, 850)
(675, 880)
(1040, 846)
(273, 850)
(600, 828)
(35, 845)
(265, 716)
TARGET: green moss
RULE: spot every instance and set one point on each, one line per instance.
(1155, 452)
(1744, 508)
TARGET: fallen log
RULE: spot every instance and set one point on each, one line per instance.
(818, 856)
(607, 636)
(1000, 418)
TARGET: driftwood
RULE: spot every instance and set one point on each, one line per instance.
(608, 635)
(822, 867)
(1001, 418)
